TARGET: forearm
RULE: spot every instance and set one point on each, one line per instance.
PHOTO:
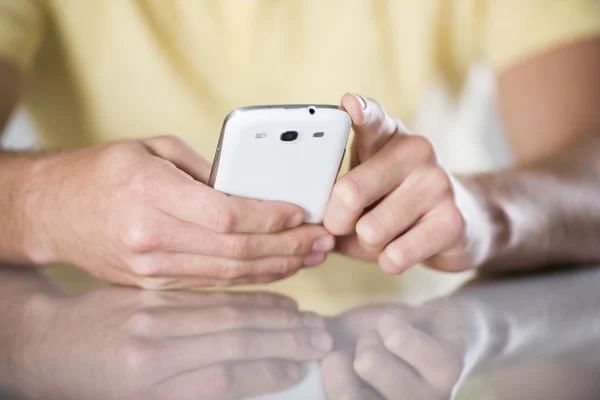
(543, 213)
(20, 173)
(522, 322)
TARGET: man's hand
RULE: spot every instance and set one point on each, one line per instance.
(397, 204)
(140, 213)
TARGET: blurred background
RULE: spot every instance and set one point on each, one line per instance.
(471, 124)
(20, 133)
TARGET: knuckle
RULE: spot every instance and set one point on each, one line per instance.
(350, 190)
(138, 356)
(143, 323)
(170, 143)
(235, 345)
(291, 341)
(238, 247)
(373, 227)
(421, 148)
(398, 342)
(367, 362)
(118, 150)
(116, 156)
(139, 237)
(219, 380)
(231, 316)
(438, 178)
(296, 246)
(220, 218)
(454, 221)
(268, 372)
(289, 265)
(230, 272)
(274, 221)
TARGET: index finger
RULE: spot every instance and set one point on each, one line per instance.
(175, 193)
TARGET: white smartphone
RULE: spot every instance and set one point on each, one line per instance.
(289, 153)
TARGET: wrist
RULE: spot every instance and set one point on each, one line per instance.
(37, 202)
(488, 225)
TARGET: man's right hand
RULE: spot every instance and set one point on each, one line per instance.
(140, 213)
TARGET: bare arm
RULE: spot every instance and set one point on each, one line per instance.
(139, 212)
(546, 209)
(13, 171)
(400, 206)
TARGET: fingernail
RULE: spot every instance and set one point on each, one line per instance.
(363, 102)
(313, 259)
(321, 341)
(294, 221)
(293, 372)
(323, 244)
(312, 320)
(395, 256)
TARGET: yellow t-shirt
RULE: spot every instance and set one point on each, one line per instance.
(100, 70)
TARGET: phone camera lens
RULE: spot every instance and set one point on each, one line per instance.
(312, 110)
(289, 136)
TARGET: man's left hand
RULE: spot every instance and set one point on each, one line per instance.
(397, 204)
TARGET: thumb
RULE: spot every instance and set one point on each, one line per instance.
(175, 150)
(372, 126)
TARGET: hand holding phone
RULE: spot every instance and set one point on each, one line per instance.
(288, 153)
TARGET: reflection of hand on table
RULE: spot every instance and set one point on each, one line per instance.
(522, 324)
(420, 353)
(122, 343)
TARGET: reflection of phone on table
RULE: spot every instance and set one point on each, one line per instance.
(284, 153)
